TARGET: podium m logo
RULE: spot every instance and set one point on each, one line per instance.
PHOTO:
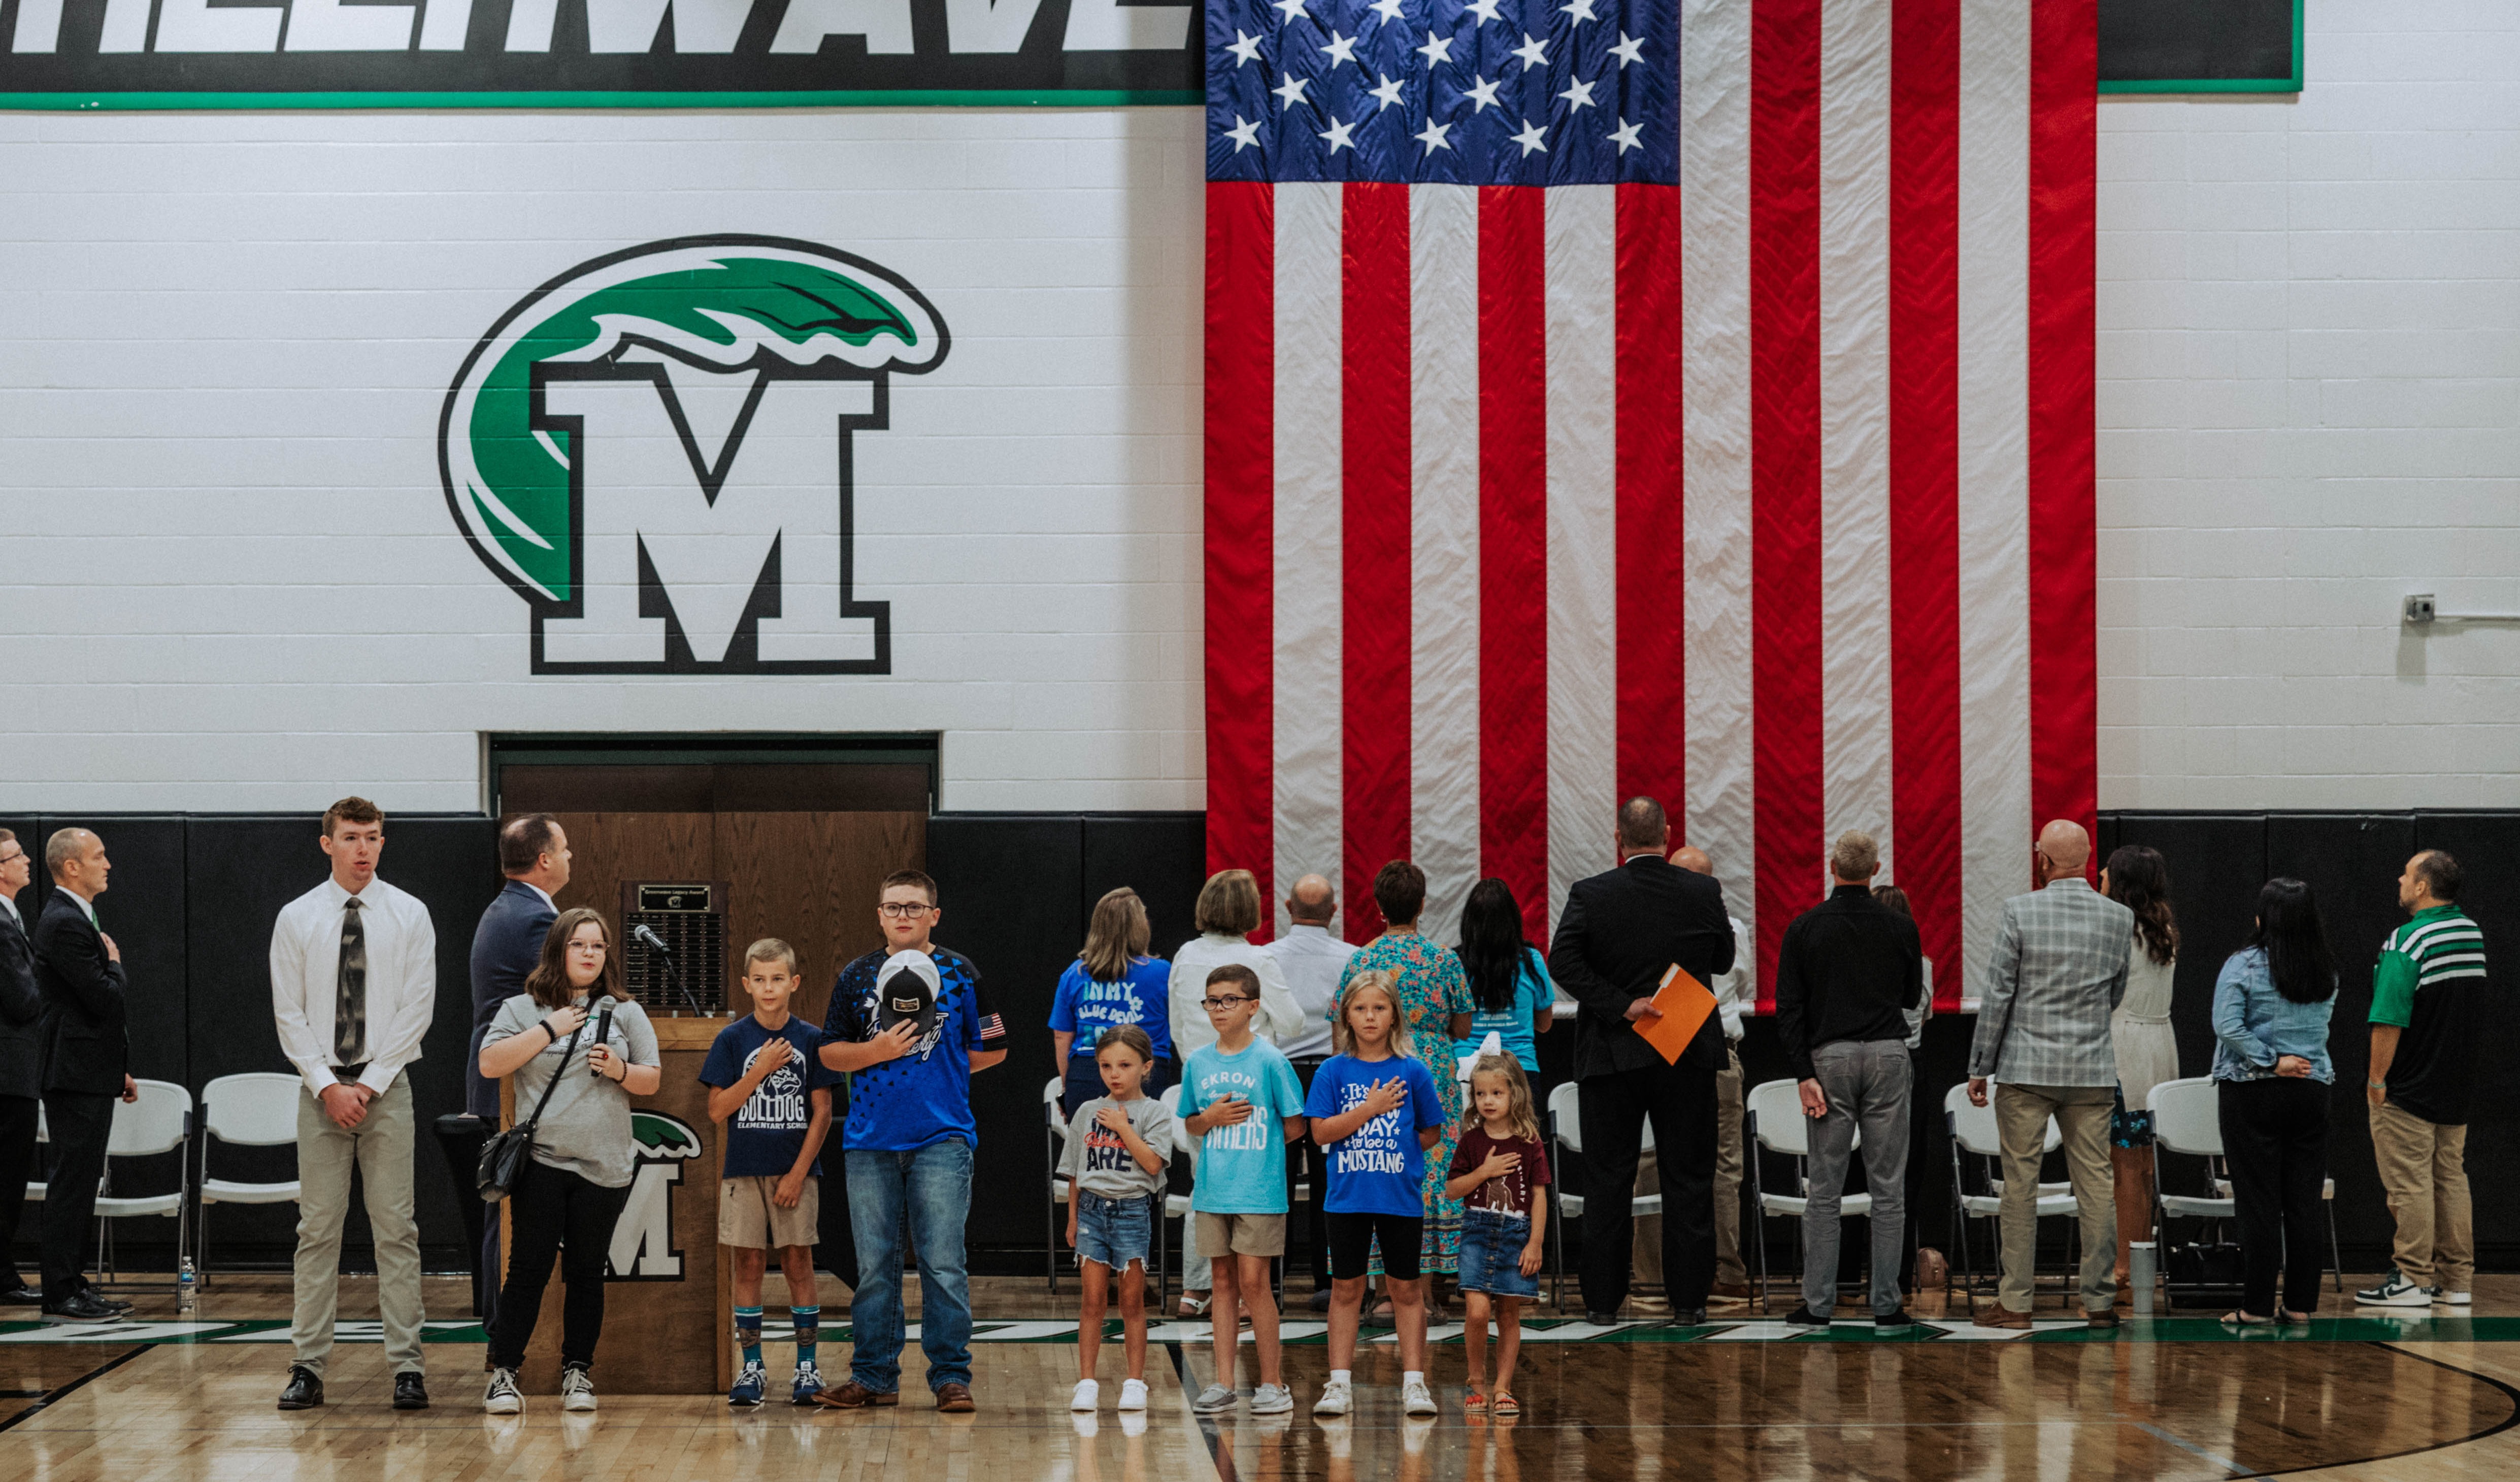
(653, 451)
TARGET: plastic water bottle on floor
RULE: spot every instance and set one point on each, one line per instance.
(187, 1288)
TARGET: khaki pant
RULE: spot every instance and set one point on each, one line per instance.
(1729, 1269)
(381, 1147)
(2082, 1115)
(2423, 1166)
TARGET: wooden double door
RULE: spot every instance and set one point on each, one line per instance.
(808, 879)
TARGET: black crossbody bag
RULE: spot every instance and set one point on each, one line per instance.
(503, 1157)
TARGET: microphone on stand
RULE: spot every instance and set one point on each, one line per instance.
(647, 937)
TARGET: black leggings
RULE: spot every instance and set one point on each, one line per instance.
(554, 1213)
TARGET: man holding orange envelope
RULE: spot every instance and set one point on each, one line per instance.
(1619, 939)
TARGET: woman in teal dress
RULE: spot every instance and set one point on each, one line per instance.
(1436, 996)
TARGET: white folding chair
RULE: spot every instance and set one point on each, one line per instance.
(1053, 1139)
(1775, 1110)
(159, 1122)
(1176, 1206)
(256, 1109)
(1973, 1129)
(1566, 1135)
(2188, 1119)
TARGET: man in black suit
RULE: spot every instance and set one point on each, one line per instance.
(21, 1064)
(533, 854)
(1618, 934)
(87, 1060)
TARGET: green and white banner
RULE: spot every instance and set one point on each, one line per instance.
(190, 54)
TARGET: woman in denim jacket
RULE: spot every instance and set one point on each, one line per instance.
(2273, 1074)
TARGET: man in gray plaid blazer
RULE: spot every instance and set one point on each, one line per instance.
(2057, 970)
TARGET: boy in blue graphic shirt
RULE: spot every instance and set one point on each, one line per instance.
(909, 1027)
(773, 1096)
(1241, 1098)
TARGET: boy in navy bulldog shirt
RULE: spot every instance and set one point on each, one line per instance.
(907, 1025)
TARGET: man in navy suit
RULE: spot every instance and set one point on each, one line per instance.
(533, 854)
(87, 1063)
(21, 1063)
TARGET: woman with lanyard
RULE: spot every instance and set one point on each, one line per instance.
(575, 1184)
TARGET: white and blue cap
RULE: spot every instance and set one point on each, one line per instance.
(905, 987)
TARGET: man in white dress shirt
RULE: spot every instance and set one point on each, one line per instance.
(353, 987)
(1312, 959)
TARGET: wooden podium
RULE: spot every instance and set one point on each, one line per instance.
(666, 1328)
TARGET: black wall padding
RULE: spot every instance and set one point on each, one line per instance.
(2488, 849)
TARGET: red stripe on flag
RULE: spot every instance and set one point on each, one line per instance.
(1513, 549)
(1785, 466)
(1924, 476)
(1652, 756)
(1374, 416)
(2063, 616)
(1242, 380)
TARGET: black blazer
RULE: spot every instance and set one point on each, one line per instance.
(21, 1014)
(87, 1037)
(1621, 930)
(506, 946)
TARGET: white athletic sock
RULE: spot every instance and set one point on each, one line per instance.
(1338, 1376)
(1413, 1377)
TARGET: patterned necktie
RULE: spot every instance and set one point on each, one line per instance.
(350, 996)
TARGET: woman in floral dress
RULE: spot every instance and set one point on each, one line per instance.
(1436, 998)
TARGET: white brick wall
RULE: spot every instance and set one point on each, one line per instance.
(228, 577)
(2308, 407)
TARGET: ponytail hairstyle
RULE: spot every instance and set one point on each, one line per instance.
(1519, 1115)
(2140, 881)
(2295, 944)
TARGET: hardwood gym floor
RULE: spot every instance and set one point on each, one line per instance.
(2369, 1401)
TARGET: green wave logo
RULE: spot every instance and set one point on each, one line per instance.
(723, 304)
(660, 1135)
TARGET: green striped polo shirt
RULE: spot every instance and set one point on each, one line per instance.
(2435, 947)
(2430, 974)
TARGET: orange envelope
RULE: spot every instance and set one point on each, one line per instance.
(1685, 1003)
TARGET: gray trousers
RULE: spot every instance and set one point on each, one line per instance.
(1869, 1084)
(381, 1147)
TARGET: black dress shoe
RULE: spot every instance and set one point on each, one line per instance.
(1688, 1317)
(96, 1295)
(21, 1297)
(1898, 1318)
(305, 1391)
(1804, 1317)
(80, 1307)
(411, 1391)
(1600, 1318)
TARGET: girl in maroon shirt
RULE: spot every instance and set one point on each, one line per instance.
(1499, 1168)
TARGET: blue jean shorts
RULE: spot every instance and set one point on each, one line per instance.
(1491, 1254)
(1112, 1231)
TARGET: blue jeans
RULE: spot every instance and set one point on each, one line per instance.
(928, 1191)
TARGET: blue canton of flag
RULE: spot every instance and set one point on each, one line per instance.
(1493, 92)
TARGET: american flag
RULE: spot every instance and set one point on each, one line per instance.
(1691, 400)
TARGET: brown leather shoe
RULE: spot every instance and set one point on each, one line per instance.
(856, 1395)
(2108, 1319)
(1730, 1291)
(955, 1399)
(2001, 1316)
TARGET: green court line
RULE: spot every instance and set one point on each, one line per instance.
(2354, 1329)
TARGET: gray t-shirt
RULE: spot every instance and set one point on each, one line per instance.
(586, 1128)
(1100, 1163)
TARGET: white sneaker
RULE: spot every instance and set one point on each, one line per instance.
(1214, 1400)
(576, 1389)
(2454, 1298)
(1088, 1396)
(1132, 1394)
(2397, 1291)
(501, 1398)
(1273, 1400)
(1334, 1400)
(1416, 1399)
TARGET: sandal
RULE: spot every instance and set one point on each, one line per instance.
(2235, 1317)
(1196, 1307)
(1505, 1403)
(1475, 1402)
